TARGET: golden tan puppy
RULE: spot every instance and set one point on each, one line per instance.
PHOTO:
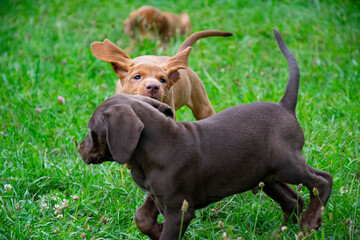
(167, 79)
(148, 21)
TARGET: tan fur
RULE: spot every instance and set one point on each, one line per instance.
(148, 21)
(167, 79)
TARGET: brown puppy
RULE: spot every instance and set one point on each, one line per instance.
(205, 161)
(148, 21)
(167, 79)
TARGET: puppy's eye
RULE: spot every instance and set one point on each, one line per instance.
(137, 77)
(162, 80)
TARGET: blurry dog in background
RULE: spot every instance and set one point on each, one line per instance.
(148, 21)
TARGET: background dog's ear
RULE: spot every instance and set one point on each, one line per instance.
(179, 61)
(109, 52)
(123, 129)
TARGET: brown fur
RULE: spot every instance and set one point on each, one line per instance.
(167, 79)
(148, 21)
(205, 161)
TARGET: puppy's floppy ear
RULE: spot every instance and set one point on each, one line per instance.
(179, 61)
(109, 52)
(123, 129)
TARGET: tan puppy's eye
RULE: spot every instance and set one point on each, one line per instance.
(137, 77)
(162, 80)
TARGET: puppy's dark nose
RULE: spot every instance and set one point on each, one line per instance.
(152, 87)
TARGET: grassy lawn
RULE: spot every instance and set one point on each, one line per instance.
(47, 192)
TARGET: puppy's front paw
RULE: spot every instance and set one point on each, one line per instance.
(310, 220)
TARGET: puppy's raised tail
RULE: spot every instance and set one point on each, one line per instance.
(202, 34)
(290, 97)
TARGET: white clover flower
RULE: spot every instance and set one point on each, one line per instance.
(53, 198)
(44, 205)
(65, 204)
(7, 187)
(57, 206)
(60, 216)
(343, 190)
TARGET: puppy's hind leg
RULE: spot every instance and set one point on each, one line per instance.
(318, 182)
(200, 106)
(146, 219)
(290, 201)
(199, 102)
(319, 195)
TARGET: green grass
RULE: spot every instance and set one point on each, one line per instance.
(44, 53)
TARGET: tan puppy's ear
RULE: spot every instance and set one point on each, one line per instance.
(123, 129)
(109, 52)
(179, 61)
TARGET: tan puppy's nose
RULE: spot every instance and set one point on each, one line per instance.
(152, 88)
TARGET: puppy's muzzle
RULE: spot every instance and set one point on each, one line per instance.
(84, 151)
(94, 154)
(152, 90)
